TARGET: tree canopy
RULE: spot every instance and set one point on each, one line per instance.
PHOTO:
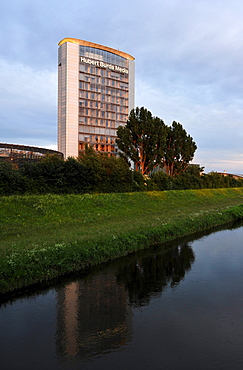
(142, 139)
(180, 149)
(148, 142)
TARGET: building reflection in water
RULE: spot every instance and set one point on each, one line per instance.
(94, 314)
(92, 317)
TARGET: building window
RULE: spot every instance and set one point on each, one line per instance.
(81, 67)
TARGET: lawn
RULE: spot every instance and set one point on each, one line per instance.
(43, 237)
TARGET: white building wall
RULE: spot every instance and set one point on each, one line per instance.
(68, 79)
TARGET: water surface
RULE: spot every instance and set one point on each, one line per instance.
(174, 308)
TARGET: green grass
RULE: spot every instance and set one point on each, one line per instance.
(43, 237)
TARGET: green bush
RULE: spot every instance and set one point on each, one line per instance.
(46, 176)
(138, 183)
(159, 181)
(186, 181)
(11, 181)
(96, 172)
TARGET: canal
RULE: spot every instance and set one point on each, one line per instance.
(178, 306)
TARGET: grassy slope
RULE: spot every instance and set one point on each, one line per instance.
(43, 237)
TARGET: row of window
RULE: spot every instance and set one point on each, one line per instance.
(102, 88)
(101, 97)
(105, 106)
(97, 139)
(111, 149)
(119, 120)
(89, 84)
(103, 113)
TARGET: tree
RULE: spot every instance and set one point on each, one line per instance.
(180, 149)
(142, 139)
(195, 169)
(106, 173)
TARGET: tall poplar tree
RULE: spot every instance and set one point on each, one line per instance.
(142, 139)
(180, 149)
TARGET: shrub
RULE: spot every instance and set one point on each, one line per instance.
(11, 181)
(160, 181)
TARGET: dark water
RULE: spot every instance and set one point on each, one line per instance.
(176, 309)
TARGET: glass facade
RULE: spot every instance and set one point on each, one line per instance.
(103, 98)
(105, 56)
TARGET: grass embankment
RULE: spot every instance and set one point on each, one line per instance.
(43, 237)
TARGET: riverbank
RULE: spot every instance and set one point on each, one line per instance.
(44, 237)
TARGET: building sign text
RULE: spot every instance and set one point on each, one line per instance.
(100, 64)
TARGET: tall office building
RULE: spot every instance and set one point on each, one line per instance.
(95, 95)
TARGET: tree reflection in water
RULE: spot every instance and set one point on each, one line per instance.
(150, 275)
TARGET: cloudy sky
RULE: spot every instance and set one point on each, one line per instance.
(188, 53)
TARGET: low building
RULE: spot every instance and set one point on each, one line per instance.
(20, 154)
(234, 176)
